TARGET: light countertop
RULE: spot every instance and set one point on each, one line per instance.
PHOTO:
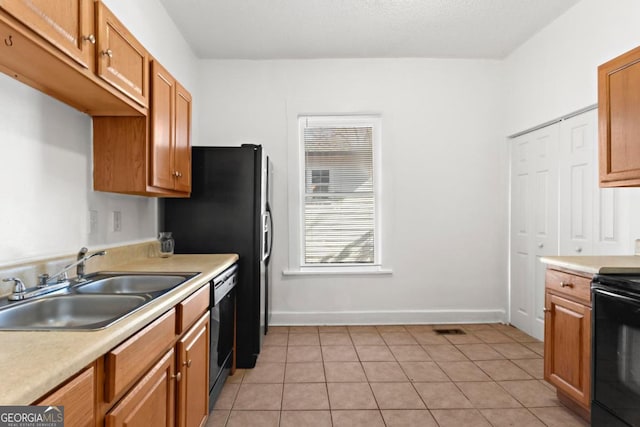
(34, 362)
(596, 264)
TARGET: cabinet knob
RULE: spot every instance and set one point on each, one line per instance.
(541, 245)
(177, 377)
(177, 174)
(90, 38)
(108, 53)
(578, 249)
(546, 310)
(187, 363)
(566, 285)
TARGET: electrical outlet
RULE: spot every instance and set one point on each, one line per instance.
(117, 221)
(93, 222)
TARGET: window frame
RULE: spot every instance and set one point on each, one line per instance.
(375, 122)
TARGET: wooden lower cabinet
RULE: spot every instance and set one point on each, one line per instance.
(151, 401)
(157, 377)
(567, 339)
(193, 365)
(78, 398)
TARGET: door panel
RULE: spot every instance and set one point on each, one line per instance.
(122, 60)
(533, 224)
(182, 156)
(577, 184)
(161, 146)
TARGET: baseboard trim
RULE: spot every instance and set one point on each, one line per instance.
(280, 318)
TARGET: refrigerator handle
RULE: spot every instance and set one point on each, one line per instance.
(267, 235)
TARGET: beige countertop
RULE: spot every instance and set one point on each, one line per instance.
(34, 362)
(596, 264)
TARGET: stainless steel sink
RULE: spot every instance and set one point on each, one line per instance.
(132, 284)
(70, 311)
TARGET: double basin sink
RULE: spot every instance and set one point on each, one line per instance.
(95, 303)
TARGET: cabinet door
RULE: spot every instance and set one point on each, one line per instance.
(78, 398)
(182, 153)
(122, 60)
(67, 24)
(619, 128)
(567, 350)
(162, 127)
(151, 401)
(193, 363)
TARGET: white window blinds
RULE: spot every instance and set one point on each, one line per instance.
(339, 197)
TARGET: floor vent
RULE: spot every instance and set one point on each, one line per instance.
(455, 331)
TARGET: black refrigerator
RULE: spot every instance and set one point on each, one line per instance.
(229, 212)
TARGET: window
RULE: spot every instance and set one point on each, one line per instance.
(320, 180)
(338, 191)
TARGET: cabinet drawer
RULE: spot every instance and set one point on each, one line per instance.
(192, 307)
(571, 285)
(130, 360)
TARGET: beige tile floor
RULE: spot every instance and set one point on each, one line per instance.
(393, 376)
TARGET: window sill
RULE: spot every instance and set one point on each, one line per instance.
(344, 271)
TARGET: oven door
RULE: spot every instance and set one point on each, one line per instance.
(616, 357)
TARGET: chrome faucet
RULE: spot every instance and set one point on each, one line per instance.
(47, 283)
(82, 259)
(45, 279)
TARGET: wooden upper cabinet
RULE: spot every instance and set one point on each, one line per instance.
(162, 126)
(182, 151)
(147, 156)
(170, 123)
(67, 24)
(122, 60)
(619, 127)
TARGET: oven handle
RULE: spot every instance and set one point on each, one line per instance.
(631, 298)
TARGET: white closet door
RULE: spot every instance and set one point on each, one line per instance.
(578, 183)
(546, 217)
(534, 224)
(521, 232)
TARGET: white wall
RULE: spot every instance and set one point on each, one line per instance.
(444, 163)
(555, 72)
(46, 158)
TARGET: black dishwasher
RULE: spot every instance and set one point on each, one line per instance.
(223, 301)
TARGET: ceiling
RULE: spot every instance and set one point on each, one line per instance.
(278, 29)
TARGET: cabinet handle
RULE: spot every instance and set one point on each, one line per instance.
(177, 174)
(90, 38)
(187, 363)
(546, 310)
(9, 41)
(566, 285)
(177, 377)
(108, 53)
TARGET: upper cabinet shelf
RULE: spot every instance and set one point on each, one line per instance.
(54, 46)
(619, 127)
